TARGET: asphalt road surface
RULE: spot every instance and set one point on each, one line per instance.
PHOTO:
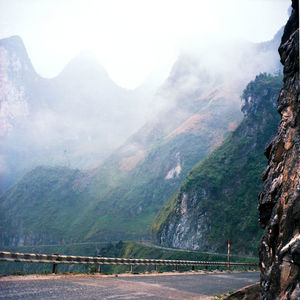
(195, 286)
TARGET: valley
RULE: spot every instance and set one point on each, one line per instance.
(119, 197)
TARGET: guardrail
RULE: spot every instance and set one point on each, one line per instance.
(57, 259)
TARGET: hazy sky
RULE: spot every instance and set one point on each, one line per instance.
(132, 38)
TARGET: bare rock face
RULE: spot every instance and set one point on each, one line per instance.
(279, 202)
(251, 292)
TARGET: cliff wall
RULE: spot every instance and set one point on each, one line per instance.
(279, 202)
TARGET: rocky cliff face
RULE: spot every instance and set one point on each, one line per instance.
(221, 192)
(16, 78)
(279, 202)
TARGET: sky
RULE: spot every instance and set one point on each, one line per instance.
(133, 39)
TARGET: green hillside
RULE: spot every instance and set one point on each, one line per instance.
(120, 198)
(218, 199)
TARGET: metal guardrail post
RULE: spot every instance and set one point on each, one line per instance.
(54, 266)
(98, 268)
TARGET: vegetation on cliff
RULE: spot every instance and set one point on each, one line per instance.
(219, 196)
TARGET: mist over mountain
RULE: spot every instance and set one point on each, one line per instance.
(76, 119)
(80, 117)
(190, 115)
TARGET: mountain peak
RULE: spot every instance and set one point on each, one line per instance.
(14, 44)
(15, 50)
(86, 63)
(12, 41)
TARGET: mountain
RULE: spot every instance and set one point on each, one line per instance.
(198, 105)
(218, 198)
(120, 198)
(76, 119)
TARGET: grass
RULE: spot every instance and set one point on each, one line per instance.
(223, 296)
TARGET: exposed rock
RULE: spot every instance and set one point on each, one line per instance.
(251, 292)
(279, 202)
(175, 172)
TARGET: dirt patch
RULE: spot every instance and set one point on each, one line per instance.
(232, 126)
(128, 163)
(190, 124)
(71, 275)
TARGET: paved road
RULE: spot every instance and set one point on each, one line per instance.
(195, 286)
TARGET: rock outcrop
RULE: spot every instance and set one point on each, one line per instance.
(279, 202)
(251, 292)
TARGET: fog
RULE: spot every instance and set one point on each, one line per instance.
(133, 38)
(114, 66)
